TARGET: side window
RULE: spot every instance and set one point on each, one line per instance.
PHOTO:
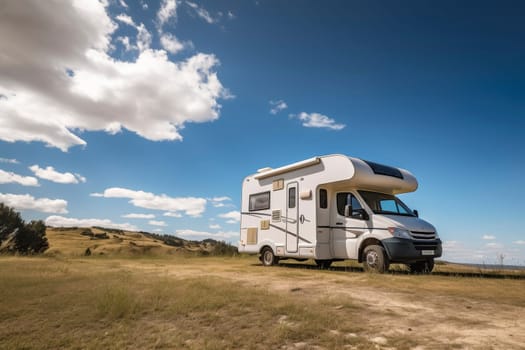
(355, 204)
(323, 198)
(342, 199)
(259, 201)
(291, 197)
(345, 198)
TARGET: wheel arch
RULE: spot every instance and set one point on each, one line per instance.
(266, 245)
(366, 243)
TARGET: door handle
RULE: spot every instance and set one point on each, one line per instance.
(338, 223)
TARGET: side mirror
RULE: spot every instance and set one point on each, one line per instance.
(348, 210)
(361, 214)
(416, 213)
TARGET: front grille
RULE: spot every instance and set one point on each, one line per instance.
(423, 235)
(425, 245)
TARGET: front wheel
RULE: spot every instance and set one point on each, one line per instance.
(375, 259)
(422, 266)
(268, 258)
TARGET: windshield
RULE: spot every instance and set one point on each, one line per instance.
(382, 203)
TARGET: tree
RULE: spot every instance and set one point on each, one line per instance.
(22, 238)
(10, 220)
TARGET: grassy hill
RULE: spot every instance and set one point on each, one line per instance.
(103, 241)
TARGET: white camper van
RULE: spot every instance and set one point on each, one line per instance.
(332, 208)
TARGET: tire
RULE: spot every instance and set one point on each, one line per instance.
(268, 258)
(323, 264)
(425, 267)
(375, 259)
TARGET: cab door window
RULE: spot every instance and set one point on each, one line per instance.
(345, 198)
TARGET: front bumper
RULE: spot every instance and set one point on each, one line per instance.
(408, 250)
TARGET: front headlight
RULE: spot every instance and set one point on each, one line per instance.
(399, 232)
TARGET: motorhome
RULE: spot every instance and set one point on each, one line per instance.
(334, 207)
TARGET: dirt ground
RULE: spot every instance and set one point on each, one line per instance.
(462, 312)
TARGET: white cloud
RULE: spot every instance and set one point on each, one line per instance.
(233, 216)
(277, 106)
(189, 205)
(173, 215)
(139, 216)
(157, 223)
(123, 3)
(215, 226)
(49, 173)
(202, 12)
(143, 35)
(126, 19)
(203, 235)
(171, 44)
(488, 237)
(10, 161)
(494, 245)
(28, 202)
(9, 177)
(124, 40)
(60, 221)
(520, 242)
(143, 38)
(168, 9)
(317, 120)
(218, 202)
(77, 86)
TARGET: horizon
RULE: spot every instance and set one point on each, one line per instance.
(146, 116)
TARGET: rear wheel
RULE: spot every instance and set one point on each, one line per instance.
(422, 266)
(268, 258)
(323, 264)
(375, 259)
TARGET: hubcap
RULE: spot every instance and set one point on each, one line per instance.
(268, 257)
(371, 258)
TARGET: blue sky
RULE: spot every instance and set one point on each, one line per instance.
(148, 114)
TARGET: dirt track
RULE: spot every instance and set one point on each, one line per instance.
(437, 318)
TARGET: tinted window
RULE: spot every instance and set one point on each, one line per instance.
(323, 198)
(388, 205)
(381, 169)
(259, 201)
(345, 198)
(291, 197)
(382, 203)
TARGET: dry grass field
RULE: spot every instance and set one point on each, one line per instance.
(180, 302)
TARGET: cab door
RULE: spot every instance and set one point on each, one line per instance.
(292, 219)
(347, 227)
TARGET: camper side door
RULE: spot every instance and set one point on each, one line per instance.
(347, 225)
(292, 219)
